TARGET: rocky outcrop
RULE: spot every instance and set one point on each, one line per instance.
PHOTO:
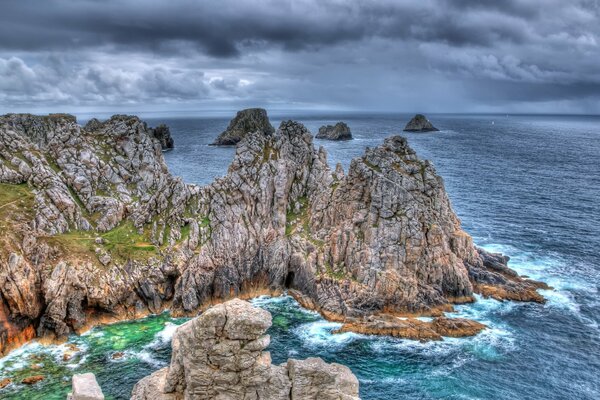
(163, 134)
(246, 121)
(85, 387)
(419, 123)
(220, 354)
(339, 131)
(95, 228)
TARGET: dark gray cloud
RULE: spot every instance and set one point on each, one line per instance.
(446, 55)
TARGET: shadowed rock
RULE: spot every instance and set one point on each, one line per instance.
(163, 134)
(220, 354)
(419, 123)
(339, 131)
(246, 121)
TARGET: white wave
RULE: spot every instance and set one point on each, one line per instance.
(19, 358)
(148, 358)
(319, 334)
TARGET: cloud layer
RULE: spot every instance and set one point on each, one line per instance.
(437, 56)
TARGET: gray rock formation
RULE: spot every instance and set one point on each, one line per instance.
(339, 131)
(85, 387)
(220, 355)
(419, 123)
(246, 121)
(94, 227)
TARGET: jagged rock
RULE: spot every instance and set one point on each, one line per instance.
(246, 121)
(380, 238)
(163, 134)
(5, 382)
(85, 387)
(339, 131)
(220, 354)
(419, 123)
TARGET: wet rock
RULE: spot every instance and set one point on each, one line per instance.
(5, 382)
(221, 352)
(117, 355)
(30, 380)
(246, 121)
(339, 131)
(85, 387)
(419, 123)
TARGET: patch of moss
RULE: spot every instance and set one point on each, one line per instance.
(16, 205)
(372, 166)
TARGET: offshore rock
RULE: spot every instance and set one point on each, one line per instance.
(95, 228)
(339, 131)
(220, 354)
(419, 123)
(246, 121)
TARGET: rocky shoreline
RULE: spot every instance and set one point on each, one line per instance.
(96, 227)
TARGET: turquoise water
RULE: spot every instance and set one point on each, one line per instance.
(527, 186)
(296, 333)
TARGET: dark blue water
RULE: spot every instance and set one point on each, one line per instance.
(528, 186)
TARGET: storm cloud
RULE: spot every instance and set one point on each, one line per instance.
(435, 56)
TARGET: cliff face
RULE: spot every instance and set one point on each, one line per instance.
(94, 227)
(220, 355)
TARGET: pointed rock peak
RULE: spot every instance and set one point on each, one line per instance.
(419, 123)
(246, 121)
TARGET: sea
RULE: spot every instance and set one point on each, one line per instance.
(524, 185)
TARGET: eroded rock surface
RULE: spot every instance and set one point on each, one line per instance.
(339, 131)
(220, 354)
(246, 121)
(420, 123)
(96, 228)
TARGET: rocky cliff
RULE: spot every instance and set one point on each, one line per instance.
(96, 228)
(246, 121)
(221, 355)
(420, 123)
(339, 131)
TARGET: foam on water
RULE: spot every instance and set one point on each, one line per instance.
(320, 334)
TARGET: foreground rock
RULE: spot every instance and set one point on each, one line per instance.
(419, 123)
(339, 131)
(246, 121)
(94, 227)
(85, 387)
(220, 355)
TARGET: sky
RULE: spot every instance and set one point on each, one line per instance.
(463, 56)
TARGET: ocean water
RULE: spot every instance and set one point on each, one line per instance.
(528, 186)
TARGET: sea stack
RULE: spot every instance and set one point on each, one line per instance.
(220, 354)
(163, 135)
(246, 121)
(419, 123)
(339, 131)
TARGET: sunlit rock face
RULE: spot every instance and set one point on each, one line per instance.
(220, 354)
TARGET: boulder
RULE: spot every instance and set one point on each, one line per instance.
(85, 387)
(220, 354)
(419, 123)
(339, 131)
(246, 121)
